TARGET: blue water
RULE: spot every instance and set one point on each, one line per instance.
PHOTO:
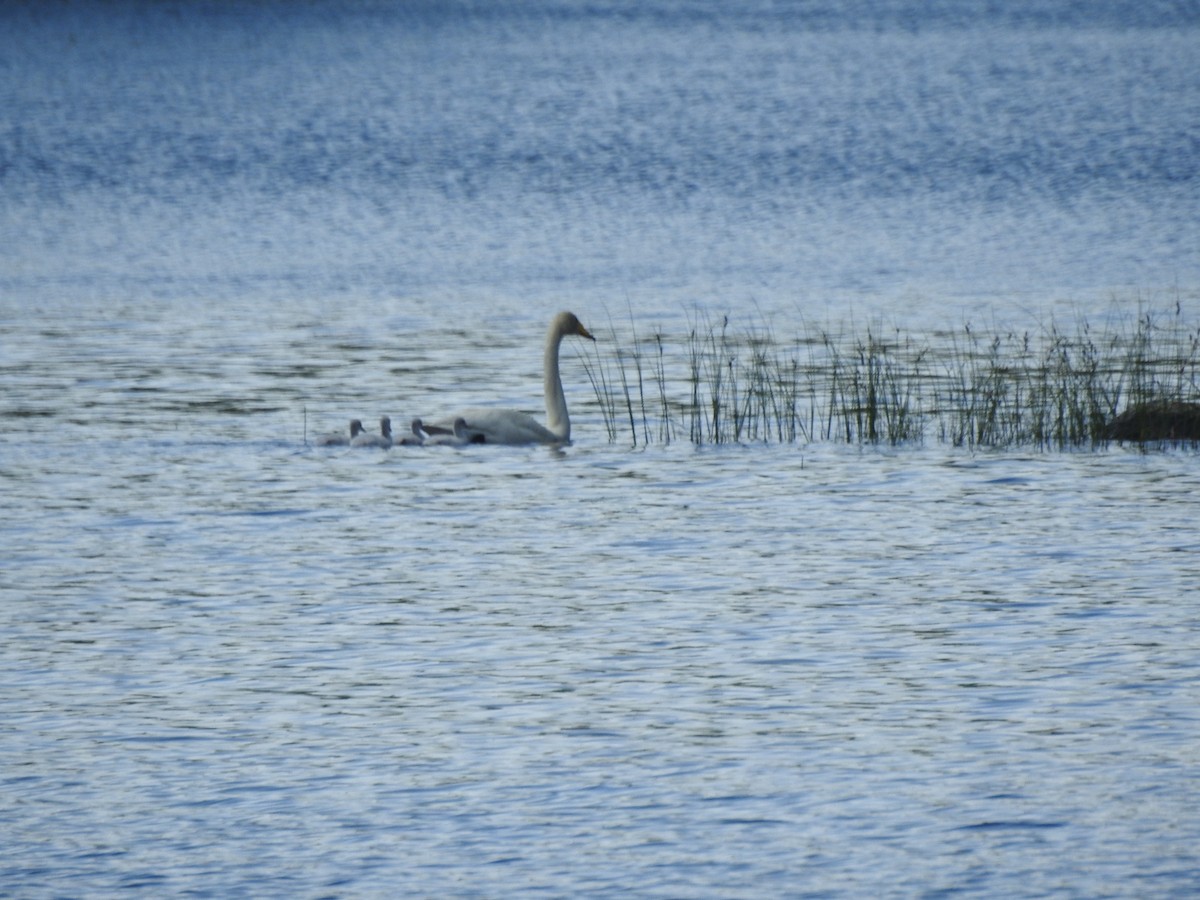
(886, 156)
(232, 664)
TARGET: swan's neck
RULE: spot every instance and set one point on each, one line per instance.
(557, 419)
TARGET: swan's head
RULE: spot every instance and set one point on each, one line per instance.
(385, 426)
(355, 428)
(567, 323)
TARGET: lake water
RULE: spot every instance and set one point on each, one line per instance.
(234, 664)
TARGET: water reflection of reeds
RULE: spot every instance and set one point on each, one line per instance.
(1052, 388)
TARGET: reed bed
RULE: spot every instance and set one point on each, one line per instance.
(1052, 388)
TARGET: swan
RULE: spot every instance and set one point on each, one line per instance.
(510, 426)
(382, 440)
(460, 437)
(337, 439)
(415, 439)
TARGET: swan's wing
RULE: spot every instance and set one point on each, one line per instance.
(498, 426)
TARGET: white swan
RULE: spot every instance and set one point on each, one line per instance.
(382, 440)
(510, 426)
(337, 439)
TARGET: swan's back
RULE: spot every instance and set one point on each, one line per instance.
(504, 426)
(337, 439)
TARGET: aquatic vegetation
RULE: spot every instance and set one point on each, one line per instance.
(1135, 379)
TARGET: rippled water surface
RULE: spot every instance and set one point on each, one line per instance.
(235, 664)
(890, 156)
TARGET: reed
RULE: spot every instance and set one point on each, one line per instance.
(1052, 388)
(875, 389)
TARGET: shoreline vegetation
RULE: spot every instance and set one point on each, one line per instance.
(1136, 380)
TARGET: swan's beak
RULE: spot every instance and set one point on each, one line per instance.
(583, 332)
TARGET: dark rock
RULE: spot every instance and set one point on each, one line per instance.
(1164, 420)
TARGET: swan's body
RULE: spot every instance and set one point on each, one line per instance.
(415, 438)
(460, 437)
(383, 440)
(337, 439)
(510, 426)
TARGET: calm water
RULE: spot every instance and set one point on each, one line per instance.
(233, 664)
